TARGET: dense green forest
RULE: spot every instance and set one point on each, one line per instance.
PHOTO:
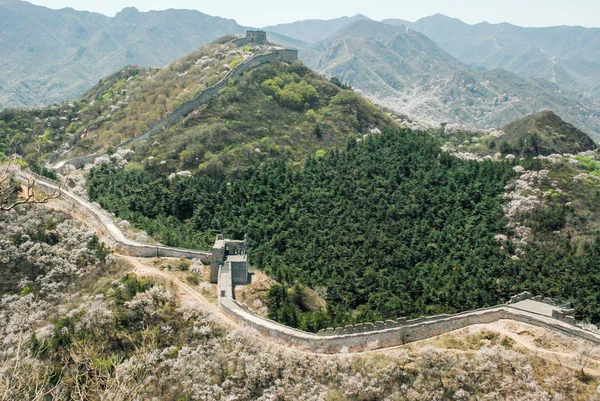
(389, 227)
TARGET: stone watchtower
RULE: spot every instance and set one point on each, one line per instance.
(256, 37)
(234, 254)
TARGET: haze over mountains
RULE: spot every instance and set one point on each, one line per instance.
(406, 70)
(438, 68)
(49, 56)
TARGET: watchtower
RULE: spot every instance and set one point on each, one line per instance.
(231, 252)
(256, 37)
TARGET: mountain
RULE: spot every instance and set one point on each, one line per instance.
(546, 133)
(313, 30)
(49, 56)
(378, 58)
(272, 110)
(406, 71)
(566, 55)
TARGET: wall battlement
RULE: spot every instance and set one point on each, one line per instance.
(232, 254)
(255, 37)
(130, 247)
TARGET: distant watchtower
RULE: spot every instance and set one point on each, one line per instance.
(256, 37)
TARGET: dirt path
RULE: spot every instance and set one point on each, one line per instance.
(143, 270)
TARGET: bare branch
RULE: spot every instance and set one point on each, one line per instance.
(18, 187)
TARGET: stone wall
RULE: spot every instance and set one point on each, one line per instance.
(520, 297)
(397, 334)
(258, 37)
(383, 334)
(284, 55)
(77, 162)
(124, 244)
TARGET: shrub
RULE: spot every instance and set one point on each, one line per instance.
(193, 279)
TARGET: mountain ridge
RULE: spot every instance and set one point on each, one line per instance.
(406, 71)
(313, 30)
(81, 47)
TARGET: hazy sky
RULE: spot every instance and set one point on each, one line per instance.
(259, 13)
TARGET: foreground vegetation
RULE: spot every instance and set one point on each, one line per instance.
(82, 328)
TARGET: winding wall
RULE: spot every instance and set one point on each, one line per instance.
(392, 332)
(284, 55)
(351, 338)
(124, 244)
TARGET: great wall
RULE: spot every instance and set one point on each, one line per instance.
(276, 55)
(522, 308)
(229, 268)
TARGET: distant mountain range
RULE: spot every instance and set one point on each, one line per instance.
(408, 72)
(565, 55)
(49, 56)
(438, 68)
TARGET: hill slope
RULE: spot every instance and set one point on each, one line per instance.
(547, 133)
(540, 134)
(278, 110)
(274, 110)
(77, 48)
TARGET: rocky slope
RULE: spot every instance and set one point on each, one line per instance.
(565, 55)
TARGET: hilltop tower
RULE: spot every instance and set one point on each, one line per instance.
(255, 37)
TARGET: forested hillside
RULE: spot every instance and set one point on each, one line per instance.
(390, 227)
(80, 327)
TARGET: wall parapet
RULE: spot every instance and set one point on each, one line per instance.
(520, 297)
(400, 334)
(392, 324)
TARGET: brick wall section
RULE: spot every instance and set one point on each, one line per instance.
(389, 333)
(123, 243)
(410, 331)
